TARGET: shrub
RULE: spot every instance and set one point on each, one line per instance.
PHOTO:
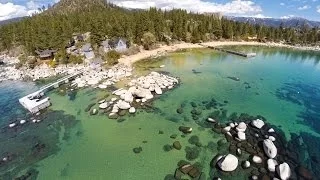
(75, 59)
(148, 40)
(112, 57)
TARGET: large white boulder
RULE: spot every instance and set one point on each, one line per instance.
(257, 159)
(123, 105)
(12, 125)
(119, 92)
(227, 129)
(242, 136)
(140, 92)
(269, 148)
(272, 165)
(246, 164)
(272, 138)
(241, 127)
(271, 130)
(102, 86)
(228, 163)
(258, 123)
(157, 89)
(132, 110)
(284, 171)
(127, 97)
(23, 121)
(103, 105)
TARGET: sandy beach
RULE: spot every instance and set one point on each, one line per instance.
(129, 60)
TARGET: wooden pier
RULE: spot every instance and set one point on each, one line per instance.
(230, 51)
(36, 101)
(59, 82)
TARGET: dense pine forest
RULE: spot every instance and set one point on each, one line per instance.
(54, 27)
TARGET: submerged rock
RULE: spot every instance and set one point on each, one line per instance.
(167, 147)
(177, 145)
(186, 168)
(137, 150)
(94, 112)
(113, 116)
(180, 110)
(173, 136)
(228, 163)
(304, 173)
(211, 120)
(185, 129)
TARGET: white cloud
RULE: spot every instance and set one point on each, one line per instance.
(257, 16)
(10, 10)
(318, 9)
(304, 7)
(287, 17)
(282, 4)
(233, 7)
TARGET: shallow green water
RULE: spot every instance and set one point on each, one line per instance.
(281, 85)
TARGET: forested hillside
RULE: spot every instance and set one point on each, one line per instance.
(55, 26)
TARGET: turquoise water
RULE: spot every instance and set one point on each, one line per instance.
(281, 85)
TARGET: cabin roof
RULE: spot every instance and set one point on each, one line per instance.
(86, 47)
(45, 53)
(116, 41)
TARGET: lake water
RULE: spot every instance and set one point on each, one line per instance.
(281, 85)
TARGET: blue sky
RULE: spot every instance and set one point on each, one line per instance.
(309, 9)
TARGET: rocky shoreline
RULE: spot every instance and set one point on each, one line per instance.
(9, 72)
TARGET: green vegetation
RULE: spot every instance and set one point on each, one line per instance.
(148, 40)
(75, 59)
(112, 57)
(53, 28)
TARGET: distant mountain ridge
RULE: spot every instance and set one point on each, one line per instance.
(288, 22)
(4, 22)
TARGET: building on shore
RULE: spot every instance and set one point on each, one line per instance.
(46, 54)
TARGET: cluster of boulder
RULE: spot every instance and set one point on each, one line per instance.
(237, 132)
(92, 77)
(140, 91)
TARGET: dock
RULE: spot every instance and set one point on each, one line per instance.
(36, 101)
(230, 51)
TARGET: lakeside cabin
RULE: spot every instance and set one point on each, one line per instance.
(35, 102)
(45, 54)
(88, 51)
(118, 44)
